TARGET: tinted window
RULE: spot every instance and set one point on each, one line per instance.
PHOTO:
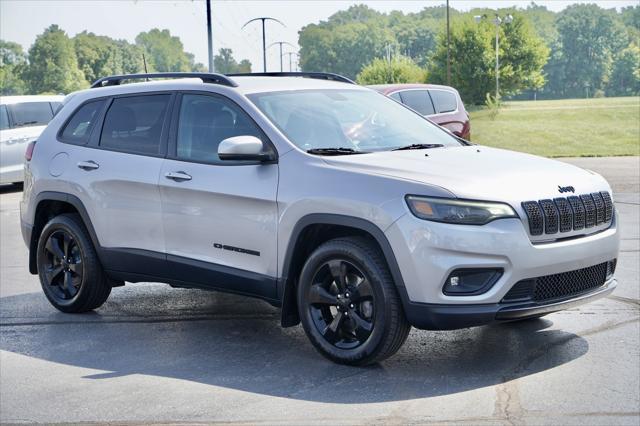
(55, 107)
(444, 100)
(134, 124)
(204, 122)
(31, 113)
(78, 129)
(418, 100)
(4, 118)
(396, 96)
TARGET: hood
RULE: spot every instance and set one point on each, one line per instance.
(478, 172)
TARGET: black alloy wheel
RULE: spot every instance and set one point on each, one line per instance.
(341, 304)
(348, 302)
(70, 272)
(63, 267)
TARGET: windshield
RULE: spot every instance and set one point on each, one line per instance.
(358, 120)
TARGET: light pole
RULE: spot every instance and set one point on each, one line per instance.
(280, 43)
(264, 40)
(497, 21)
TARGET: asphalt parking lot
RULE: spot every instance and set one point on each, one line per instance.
(157, 354)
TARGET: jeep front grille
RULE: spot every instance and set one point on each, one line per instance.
(566, 214)
(565, 284)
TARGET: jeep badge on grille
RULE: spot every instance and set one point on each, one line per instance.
(563, 189)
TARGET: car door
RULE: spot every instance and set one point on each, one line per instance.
(115, 172)
(445, 103)
(222, 215)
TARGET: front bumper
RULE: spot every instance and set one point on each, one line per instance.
(428, 252)
(450, 317)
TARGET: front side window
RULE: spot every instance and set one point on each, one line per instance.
(4, 118)
(134, 124)
(204, 122)
(359, 120)
(418, 100)
(79, 127)
(31, 113)
(444, 100)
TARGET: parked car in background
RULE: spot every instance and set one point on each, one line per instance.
(440, 104)
(22, 119)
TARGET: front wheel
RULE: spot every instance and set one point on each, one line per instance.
(348, 303)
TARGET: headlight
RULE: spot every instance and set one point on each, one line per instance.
(458, 211)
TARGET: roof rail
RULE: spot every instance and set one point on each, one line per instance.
(115, 80)
(318, 75)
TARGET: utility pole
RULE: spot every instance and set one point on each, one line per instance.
(280, 43)
(290, 54)
(209, 36)
(448, 49)
(264, 39)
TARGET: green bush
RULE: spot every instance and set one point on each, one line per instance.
(399, 70)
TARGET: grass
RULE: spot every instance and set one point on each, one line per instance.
(562, 128)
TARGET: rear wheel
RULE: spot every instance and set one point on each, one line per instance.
(348, 303)
(70, 272)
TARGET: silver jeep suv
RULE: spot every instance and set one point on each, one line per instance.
(354, 214)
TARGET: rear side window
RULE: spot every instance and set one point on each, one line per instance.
(31, 113)
(444, 100)
(55, 107)
(134, 124)
(4, 118)
(82, 122)
(204, 122)
(396, 96)
(418, 100)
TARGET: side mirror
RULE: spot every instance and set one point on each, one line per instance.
(244, 148)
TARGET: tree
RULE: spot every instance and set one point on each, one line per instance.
(590, 37)
(53, 64)
(625, 76)
(12, 64)
(522, 56)
(399, 70)
(225, 63)
(164, 52)
(97, 55)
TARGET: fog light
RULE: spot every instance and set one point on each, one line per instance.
(468, 282)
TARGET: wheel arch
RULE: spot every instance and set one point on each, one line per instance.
(48, 205)
(311, 231)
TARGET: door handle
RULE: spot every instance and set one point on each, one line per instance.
(178, 176)
(88, 165)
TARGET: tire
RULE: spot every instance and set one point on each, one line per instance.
(348, 303)
(70, 273)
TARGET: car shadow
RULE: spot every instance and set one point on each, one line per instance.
(237, 343)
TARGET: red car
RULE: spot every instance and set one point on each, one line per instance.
(440, 104)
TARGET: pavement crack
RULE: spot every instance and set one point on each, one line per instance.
(507, 405)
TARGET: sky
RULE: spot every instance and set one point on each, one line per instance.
(22, 20)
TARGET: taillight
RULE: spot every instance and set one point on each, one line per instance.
(29, 152)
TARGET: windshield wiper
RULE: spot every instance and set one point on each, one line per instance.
(334, 151)
(419, 146)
